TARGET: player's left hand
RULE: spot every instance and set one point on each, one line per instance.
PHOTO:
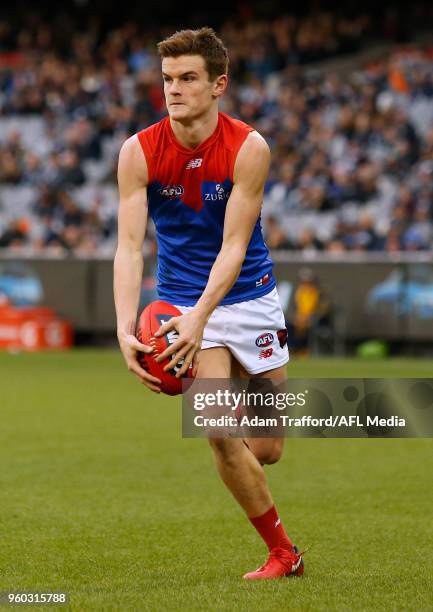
(190, 328)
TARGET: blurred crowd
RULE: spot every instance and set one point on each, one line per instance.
(352, 158)
(352, 161)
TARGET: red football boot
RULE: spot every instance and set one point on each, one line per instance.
(281, 563)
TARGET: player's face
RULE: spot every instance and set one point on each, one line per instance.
(189, 93)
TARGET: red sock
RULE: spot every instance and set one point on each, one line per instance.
(271, 529)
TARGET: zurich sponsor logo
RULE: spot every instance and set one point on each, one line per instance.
(171, 191)
(264, 340)
(220, 193)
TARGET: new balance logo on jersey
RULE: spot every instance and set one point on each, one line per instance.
(193, 163)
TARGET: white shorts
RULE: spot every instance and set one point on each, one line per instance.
(254, 332)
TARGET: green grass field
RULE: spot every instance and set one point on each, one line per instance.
(102, 498)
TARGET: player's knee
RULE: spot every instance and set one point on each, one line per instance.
(273, 457)
(271, 453)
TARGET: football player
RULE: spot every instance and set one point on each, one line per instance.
(200, 175)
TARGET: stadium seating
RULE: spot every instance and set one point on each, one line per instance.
(352, 155)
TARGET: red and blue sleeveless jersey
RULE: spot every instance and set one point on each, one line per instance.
(187, 195)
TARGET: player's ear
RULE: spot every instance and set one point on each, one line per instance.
(220, 85)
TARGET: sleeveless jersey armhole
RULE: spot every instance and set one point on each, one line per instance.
(145, 147)
(236, 150)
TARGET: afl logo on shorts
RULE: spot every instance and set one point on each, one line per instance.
(264, 340)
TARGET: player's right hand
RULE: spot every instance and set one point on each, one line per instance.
(130, 347)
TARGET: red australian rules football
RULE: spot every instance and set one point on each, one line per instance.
(153, 316)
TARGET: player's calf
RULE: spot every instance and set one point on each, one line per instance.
(227, 449)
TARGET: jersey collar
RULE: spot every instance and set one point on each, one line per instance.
(204, 145)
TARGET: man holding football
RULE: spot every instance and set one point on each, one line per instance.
(200, 174)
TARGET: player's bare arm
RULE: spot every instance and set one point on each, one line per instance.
(128, 262)
(243, 209)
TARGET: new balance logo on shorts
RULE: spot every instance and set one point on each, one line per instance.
(194, 163)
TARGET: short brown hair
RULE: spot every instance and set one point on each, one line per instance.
(202, 42)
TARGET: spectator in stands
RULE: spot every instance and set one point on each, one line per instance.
(71, 172)
(15, 235)
(33, 173)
